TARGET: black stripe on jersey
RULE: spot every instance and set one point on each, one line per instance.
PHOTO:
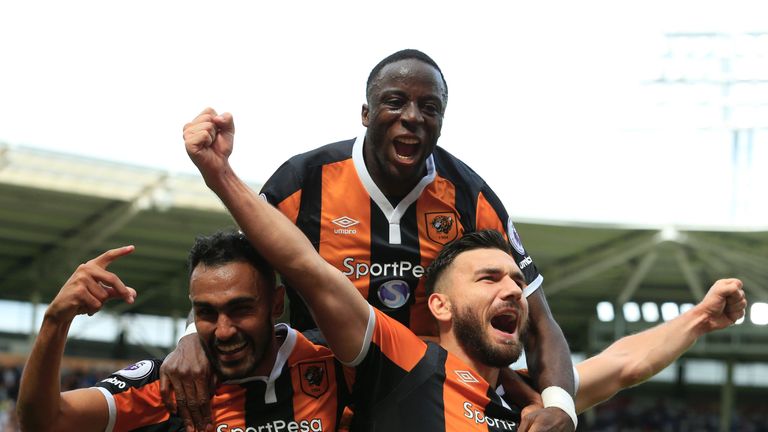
(386, 254)
(257, 412)
(343, 392)
(291, 176)
(530, 271)
(173, 424)
(496, 410)
(308, 220)
(466, 182)
(396, 400)
(310, 210)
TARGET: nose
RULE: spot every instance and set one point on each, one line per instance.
(511, 290)
(225, 329)
(412, 113)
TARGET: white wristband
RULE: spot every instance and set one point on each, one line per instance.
(554, 396)
(190, 330)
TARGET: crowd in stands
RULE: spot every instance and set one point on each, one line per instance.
(646, 413)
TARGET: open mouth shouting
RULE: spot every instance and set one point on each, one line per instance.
(504, 324)
(406, 148)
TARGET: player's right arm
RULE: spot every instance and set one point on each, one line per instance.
(187, 380)
(337, 307)
(41, 406)
(633, 359)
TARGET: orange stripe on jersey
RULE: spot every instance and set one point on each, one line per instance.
(345, 240)
(487, 217)
(290, 206)
(464, 397)
(144, 404)
(314, 383)
(397, 343)
(228, 406)
(439, 224)
(314, 390)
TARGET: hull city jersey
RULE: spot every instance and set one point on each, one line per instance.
(300, 395)
(384, 248)
(405, 384)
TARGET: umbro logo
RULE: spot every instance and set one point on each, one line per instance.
(346, 223)
(466, 376)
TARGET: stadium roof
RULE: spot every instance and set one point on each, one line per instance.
(58, 210)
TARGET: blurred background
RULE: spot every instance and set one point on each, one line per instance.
(628, 140)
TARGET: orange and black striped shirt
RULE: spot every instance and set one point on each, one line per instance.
(384, 248)
(305, 392)
(405, 384)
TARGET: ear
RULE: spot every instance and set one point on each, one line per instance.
(364, 115)
(278, 302)
(440, 306)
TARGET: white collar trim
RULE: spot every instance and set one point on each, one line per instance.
(282, 357)
(393, 215)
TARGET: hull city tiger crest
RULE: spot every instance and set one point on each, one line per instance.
(441, 227)
(314, 379)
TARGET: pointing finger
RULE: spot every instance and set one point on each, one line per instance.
(111, 255)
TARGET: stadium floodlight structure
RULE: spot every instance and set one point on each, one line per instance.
(719, 81)
(724, 77)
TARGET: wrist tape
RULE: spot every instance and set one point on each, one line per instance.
(554, 396)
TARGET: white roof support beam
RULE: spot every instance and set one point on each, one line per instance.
(691, 276)
(750, 284)
(613, 256)
(733, 254)
(637, 277)
(72, 249)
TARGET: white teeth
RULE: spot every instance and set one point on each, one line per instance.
(230, 348)
(408, 141)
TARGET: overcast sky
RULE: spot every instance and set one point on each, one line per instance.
(550, 101)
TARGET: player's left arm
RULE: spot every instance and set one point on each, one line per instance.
(635, 358)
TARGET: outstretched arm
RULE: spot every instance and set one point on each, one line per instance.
(338, 309)
(41, 406)
(633, 359)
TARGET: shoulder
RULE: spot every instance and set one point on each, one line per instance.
(295, 173)
(455, 170)
(326, 154)
(306, 350)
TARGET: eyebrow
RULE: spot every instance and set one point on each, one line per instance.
(516, 274)
(234, 302)
(399, 92)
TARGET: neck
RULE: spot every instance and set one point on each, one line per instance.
(392, 184)
(489, 373)
(267, 362)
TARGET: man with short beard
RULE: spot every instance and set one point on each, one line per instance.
(271, 377)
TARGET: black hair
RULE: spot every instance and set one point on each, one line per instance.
(405, 54)
(225, 247)
(483, 239)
